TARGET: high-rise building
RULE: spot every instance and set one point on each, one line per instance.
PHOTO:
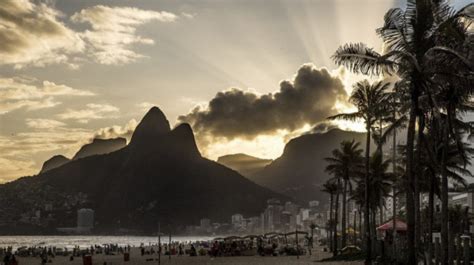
(313, 204)
(85, 218)
(205, 223)
(237, 220)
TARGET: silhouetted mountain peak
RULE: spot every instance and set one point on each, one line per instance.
(54, 162)
(182, 137)
(153, 124)
(299, 171)
(100, 146)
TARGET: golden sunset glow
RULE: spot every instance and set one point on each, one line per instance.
(103, 65)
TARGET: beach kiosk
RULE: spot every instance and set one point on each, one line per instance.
(385, 234)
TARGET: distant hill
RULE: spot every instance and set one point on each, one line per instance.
(245, 164)
(97, 147)
(100, 146)
(299, 171)
(159, 177)
(54, 162)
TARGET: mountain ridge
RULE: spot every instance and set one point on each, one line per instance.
(165, 180)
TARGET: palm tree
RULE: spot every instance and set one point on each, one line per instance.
(395, 120)
(331, 188)
(367, 98)
(432, 154)
(411, 40)
(342, 162)
(336, 216)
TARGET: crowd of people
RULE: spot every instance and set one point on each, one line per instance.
(216, 248)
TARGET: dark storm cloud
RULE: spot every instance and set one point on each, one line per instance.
(308, 99)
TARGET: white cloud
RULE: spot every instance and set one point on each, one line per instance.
(117, 130)
(91, 112)
(32, 34)
(187, 15)
(7, 106)
(114, 31)
(145, 106)
(44, 123)
(16, 93)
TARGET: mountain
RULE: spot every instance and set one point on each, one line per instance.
(97, 147)
(100, 146)
(244, 164)
(159, 177)
(54, 162)
(299, 171)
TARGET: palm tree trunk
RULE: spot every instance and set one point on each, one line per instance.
(380, 150)
(336, 218)
(374, 232)
(394, 190)
(360, 224)
(418, 233)
(430, 223)
(354, 236)
(410, 200)
(330, 221)
(444, 199)
(368, 239)
(381, 212)
(343, 221)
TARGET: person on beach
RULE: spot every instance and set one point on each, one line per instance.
(7, 258)
(193, 252)
(180, 250)
(309, 243)
(13, 261)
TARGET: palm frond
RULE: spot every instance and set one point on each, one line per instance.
(346, 116)
(359, 58)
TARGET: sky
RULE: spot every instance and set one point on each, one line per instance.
(248, 75)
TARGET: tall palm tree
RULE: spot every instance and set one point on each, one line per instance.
(342, 164)
(395, 121)
(331, 188)
(432, 154)
(410, 38)
(336, 216)
(367, 98)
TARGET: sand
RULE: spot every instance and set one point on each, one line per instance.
(137, 259)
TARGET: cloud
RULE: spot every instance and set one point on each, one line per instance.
(323, 127)
(117, 131)
(188, 15)
(32, 34)
(307, 99)
(44, 123)
(16, 93)
(113, 31)
(23, 89)
(7, 106)
(91, 112)
(145, 106)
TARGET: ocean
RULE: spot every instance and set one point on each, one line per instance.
(87, 241)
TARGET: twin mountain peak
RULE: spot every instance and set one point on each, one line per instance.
(153, 130)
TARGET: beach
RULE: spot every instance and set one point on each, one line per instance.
(136, 258)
